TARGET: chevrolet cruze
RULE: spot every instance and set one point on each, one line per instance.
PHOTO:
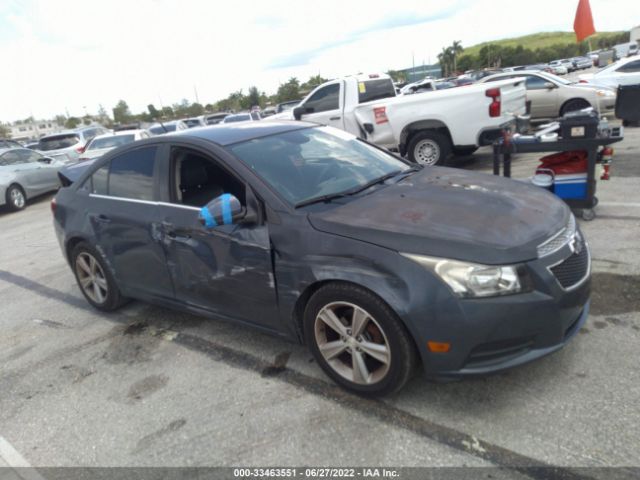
(311, 234)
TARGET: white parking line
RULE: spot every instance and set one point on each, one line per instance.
(12, 458)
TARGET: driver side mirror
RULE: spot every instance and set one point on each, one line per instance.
(224, 210)
(301, 110)
(549, 85)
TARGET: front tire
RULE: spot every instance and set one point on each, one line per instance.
(16, 198)
(358, 340)
(429, 147)
(573, 105)
(94, 278)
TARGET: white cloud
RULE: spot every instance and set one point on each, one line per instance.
(68, 54)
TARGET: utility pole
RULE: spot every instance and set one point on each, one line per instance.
(196, 92)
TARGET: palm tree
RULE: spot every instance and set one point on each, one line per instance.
(445, 57)
(456, 49)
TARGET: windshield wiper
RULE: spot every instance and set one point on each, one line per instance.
(352, 191)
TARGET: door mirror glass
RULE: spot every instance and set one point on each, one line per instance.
(223, 210)
(549, 86)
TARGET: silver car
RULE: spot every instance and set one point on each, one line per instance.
(71, 142)
(25, 174)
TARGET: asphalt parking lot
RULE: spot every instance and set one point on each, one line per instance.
(148, 386)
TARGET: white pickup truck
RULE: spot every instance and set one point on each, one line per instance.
(426, 127)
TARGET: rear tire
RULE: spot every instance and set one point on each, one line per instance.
(358, 340)
(16, 199)
(94, 278)
(429, 147)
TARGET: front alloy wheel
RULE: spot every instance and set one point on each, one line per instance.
(352, 343)
(358, 340)
(16, 199)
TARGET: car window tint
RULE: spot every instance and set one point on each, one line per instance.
(58, 141)
(28, 156)
(375, 90)
(131, 174)
(100, 181)
(327, 98)
(535, 83)
(631, 67)
(10, 158)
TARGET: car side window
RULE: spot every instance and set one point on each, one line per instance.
(197, 179)
(28, 156)
(631, 67)
(129, 175)
(535, 83)
(325, 99)
(10, 158)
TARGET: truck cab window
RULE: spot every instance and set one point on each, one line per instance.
(325, 99)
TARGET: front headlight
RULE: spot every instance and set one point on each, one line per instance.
(604, 93)
(473, 279)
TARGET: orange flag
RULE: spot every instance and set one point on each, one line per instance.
(583, 24)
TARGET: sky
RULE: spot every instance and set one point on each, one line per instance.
(70, 57)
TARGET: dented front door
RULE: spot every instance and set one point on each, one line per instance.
(226, 270)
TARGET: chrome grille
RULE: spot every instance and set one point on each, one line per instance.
(559, 240)
(575, 269)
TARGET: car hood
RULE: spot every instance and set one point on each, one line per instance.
(94, 154)
(451, 213)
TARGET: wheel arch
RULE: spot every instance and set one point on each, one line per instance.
(573, 99)
(419, 126)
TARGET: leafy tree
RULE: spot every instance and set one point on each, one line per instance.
(87, 120)
(72, 122)
(60, 119)
(121, 112)
(397, 76)
(312, 83)
(456, 50)
(288, 91)
(153, 111)
(5, 131)
(253, 99)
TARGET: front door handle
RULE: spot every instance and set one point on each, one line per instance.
(102, 218)
(177, 237)
(335, 118)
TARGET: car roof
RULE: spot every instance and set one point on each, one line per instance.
(119, 133)
(227, 134)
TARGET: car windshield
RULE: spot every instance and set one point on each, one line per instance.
(237, 118)
(305, 164)
(111, 142)
(59, 141)
(192, 122)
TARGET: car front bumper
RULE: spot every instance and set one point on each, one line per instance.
(487, 335)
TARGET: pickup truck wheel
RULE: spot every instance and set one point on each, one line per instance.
(429, 148)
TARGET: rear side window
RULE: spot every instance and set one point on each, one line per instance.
(375, 90)
(129, 175)
(57, 142)
(631, 67)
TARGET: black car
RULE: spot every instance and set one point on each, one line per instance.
(314, 235)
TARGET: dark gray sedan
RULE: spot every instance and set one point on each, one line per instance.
(24, 174)
(311, 234)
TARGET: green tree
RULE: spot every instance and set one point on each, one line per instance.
(288, 91)
(456, 50)
(5, 131)
(72, 122)
(253, 99)
(121, 112)
(60, 119)
(153, 111)
(312, 83)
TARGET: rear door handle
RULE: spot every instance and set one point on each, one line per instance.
(177, 237)
(102, 218)
(335, 118)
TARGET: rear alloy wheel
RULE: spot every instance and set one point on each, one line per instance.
(94, 279)
(358, 340)
(16, 199)
(573, 105)
(429, 148)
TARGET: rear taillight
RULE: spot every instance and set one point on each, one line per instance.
(80, 149)
(494, 107)
(53, 205)
(583, 81)
(380, 114)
